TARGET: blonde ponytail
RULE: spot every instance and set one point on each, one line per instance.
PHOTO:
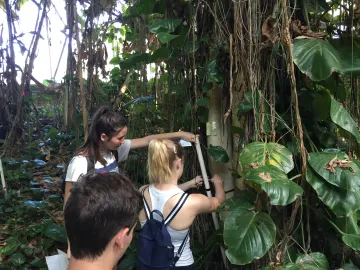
(161, 155)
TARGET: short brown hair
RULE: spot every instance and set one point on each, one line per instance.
(99, 206)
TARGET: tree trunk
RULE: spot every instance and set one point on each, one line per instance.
(25, 80)
(222, 137)
(80, 75)
(11, 82)
(70, 96)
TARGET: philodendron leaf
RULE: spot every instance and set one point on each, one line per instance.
(352, 241)
(317, 58)
(336, 169)
(342, 202)
(258, 154)
(311, 261)
(275, 183)
(349, 51)
(248, 235)
(316, 6)
(165, 37)
(18, 259)
(203, 101)
(164, 26)
(218, 154)
(342, 118)
(244, 200)
(349, 266)
(11, 246)
(134, 60)
(55, 232)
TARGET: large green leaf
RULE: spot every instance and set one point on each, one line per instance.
(245, 200)
(352, 240)
(18, 259)
(213, 73)
(349, 266)
(164, 26)
(11, 246)
(160, 54)
(218, 153)
(55, 232)
(275, 183)
(342, 118)
(317, 58)
(247, 103)
(165, 37)
(341, 202)
(144, 7)
(248, 235)
(258, 154)
(311, 261)
(349, 51)
(325, 164)
(135, 59)
(316, 6)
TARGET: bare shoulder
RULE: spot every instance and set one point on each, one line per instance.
(200, 203)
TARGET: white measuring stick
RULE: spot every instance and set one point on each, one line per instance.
(2, 177)
(208, 192)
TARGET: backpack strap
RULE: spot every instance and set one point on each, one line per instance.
(146, 205)
(176, 208)
(90, 164)
(171, 216)
(181, 248)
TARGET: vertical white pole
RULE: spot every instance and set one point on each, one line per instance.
(2, 177)
(208, 192)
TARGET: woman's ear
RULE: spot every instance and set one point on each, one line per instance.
(103, 137)
(178, 164)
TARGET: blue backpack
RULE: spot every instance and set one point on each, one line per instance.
(155, 249)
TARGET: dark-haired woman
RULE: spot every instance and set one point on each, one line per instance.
(106, 139)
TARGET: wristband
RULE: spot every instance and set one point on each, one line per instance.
(218, 181)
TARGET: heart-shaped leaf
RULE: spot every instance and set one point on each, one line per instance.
(135, 59)
(352, 241)
(164, 26)
(343, 119)
(349, 266)
(160, 54)
(336, 169)
(218, 154)
(55, 232)
(316, 6)
(18, 259)
(203, 101)
(311, 261)
(349, 51)
(245, 200)
(342, 202)
(275, 183)
(317, 58)
(258, 154)
(248, 235)
(11, 246)
(165, 37)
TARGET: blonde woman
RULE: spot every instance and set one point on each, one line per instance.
(165, 167)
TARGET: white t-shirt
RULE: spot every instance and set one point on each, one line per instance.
(78, 164)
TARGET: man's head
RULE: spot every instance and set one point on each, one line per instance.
(100, 215)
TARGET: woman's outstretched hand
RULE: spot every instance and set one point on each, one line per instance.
(188, 136)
